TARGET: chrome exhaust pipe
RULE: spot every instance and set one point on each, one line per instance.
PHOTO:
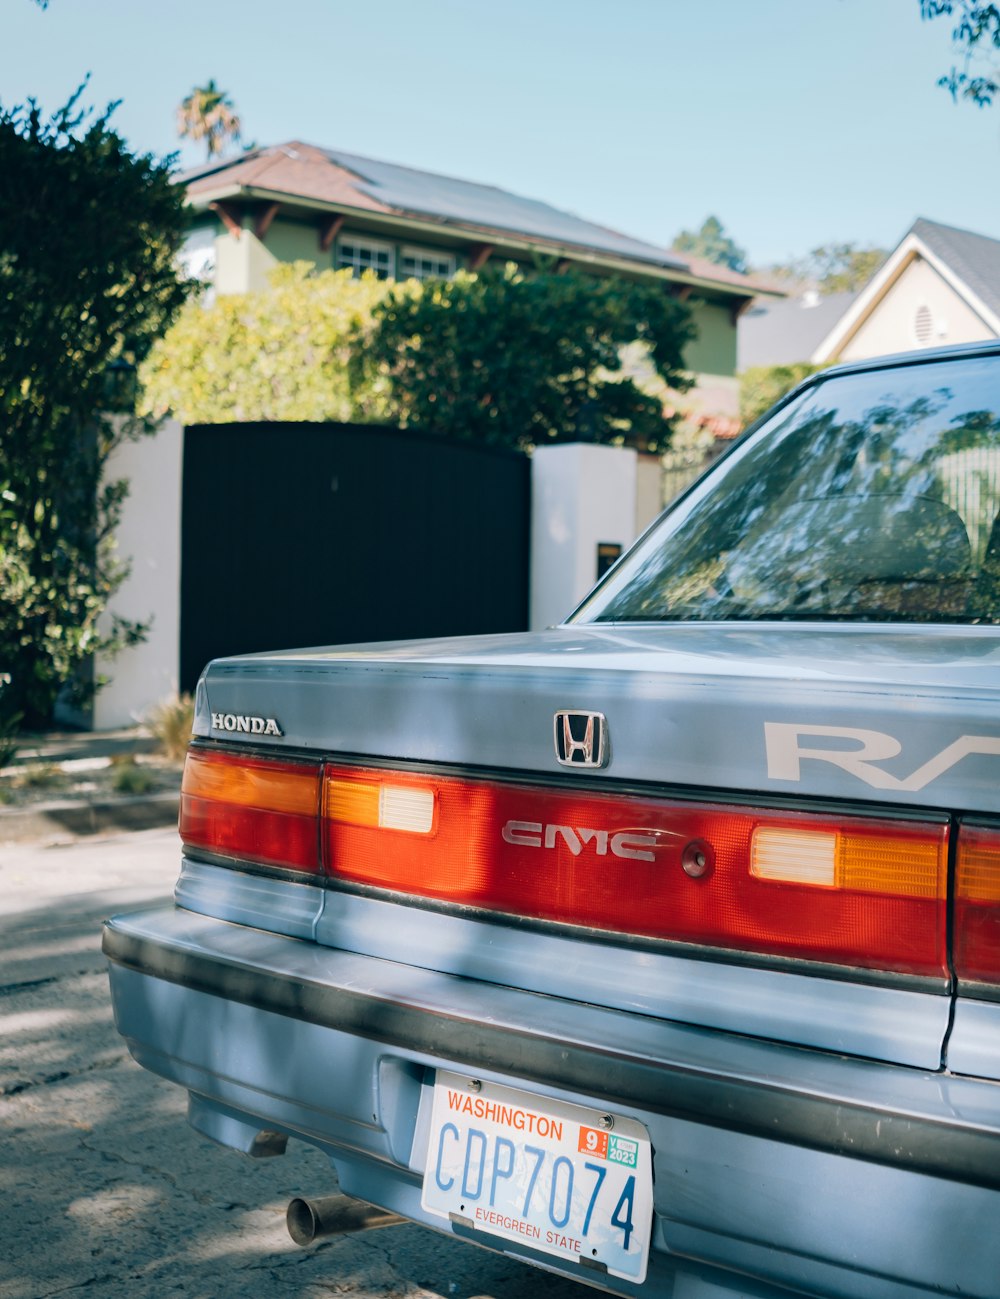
(332, 1215)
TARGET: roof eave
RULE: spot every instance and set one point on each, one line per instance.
(203, 200)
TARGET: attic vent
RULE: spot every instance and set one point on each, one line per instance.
(923, 325)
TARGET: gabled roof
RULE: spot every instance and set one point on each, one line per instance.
(788, 332)
(975, 259)
(969, 262)
(331, 178)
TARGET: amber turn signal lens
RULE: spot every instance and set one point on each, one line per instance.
(379, 802)
(849, 860)
(253, 809)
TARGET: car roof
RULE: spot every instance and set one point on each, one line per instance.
(872, 364)
(954, 351)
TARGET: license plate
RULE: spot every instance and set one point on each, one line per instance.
(559, 1178)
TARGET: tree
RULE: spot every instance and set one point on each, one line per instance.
(88, 237)
(209, 114)
(834, 268)
(278, 354)
(520, 360)
(712, 243)
(977, 28)
(845, 268)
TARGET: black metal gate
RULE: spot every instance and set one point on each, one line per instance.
(322, 534)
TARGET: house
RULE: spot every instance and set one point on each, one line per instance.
(940, 285)
(774, 331)
(294, 201)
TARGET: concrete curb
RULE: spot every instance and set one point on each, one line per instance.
(71, 819)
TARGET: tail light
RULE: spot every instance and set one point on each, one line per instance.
(854, 891)
(977, 905)
(252, 808)
(847, 890)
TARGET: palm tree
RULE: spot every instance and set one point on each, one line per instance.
(209, 114)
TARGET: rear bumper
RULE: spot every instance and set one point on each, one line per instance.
(804, 1168)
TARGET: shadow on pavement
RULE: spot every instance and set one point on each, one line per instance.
(107, 1190)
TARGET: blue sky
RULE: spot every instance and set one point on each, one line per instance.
(796, 122)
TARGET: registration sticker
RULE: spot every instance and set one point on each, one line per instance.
(559, 1178)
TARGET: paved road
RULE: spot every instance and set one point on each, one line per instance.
(104, 1189)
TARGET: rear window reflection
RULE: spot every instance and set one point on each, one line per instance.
(871, 498)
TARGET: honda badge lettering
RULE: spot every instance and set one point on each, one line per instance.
(581, 739)
(247, 725)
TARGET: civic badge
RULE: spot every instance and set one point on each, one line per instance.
(581, 739)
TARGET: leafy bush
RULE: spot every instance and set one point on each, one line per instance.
(763, 385)
(521, 360)
(9, 742)
(41, 775)
(10, 722)
(129, 777)
(170, 723)
(498, 356)
(88, 236)
(278, 354)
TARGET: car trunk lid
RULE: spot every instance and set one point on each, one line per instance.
(907, 717)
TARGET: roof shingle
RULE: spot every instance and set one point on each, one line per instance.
(975, 259)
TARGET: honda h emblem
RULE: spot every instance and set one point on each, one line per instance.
(581, 739)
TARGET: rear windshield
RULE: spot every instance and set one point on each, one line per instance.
(869, 498)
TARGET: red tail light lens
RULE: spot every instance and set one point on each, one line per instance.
(977, 905)
(851, 891)
(252, 808)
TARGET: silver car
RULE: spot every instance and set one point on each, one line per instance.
(660, 949)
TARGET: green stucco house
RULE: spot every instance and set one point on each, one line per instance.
(297, 202)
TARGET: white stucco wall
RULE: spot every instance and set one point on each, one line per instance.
(581, 496)
(242, 265)
(891, 327)
(150, 535)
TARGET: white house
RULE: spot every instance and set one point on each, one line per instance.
(940, 285)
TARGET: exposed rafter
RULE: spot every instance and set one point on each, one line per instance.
(265, 218)
(328, 231)
(479, 255)
(230, 215)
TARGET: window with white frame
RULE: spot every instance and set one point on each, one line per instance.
(425, 264)
(362, 254)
